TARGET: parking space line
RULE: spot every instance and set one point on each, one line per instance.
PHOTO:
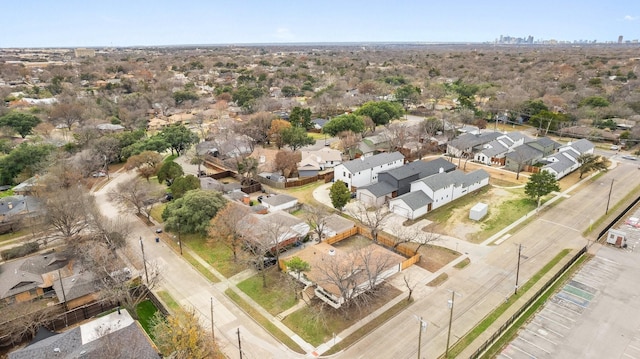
(553, 321)
(549, 330)
(533, 344)
(540, 336)
(562, 316)
(569, 309)
(573, 299)
(521, 350)
(634, 347)
(627, 355)
(558, 224)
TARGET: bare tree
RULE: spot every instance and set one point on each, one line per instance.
(410, 286)
(67, 210)
(287, 162)
(137, 194)
(67, 114)
(22, 320)
(350, 142)
(411, 234)
(227, 226)
(374, 218)
(316, 217)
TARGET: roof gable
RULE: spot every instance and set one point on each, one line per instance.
(364, 163)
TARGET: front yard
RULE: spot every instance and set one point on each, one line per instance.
(278, 296)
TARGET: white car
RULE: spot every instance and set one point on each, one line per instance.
(614, 148)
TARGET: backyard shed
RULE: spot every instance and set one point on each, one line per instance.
(478, 211)
(617, 237)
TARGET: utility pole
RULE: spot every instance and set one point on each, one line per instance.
(64, 296)
(518, 268)
(179, 240)
(451, 303)
(213, 335)
(144, 261)
(423, 326)
(239, 343)
(609, 198)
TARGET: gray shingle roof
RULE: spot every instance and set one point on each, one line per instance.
(278, 199)
(364, 163)
(415, 200)
(524, 153)
(423, 168)
(494, 148)
(440, 180)
(582, 145)
(379, 189)
(456, 178)
(562, 163)
(337, 223)
(469, 140)
(23, 274)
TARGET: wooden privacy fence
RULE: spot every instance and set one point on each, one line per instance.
(326, 177)
(340, 236)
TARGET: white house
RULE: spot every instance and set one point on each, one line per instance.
(435, 191)
(565, 160)
(364, 170)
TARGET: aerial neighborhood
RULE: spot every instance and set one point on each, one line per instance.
(294, 201)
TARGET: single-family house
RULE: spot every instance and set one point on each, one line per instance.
(114, 335)
(318, 123)
(530, 153)
(325, 157)
(364, 170)
(26, 278)
(435, 191)
(397, 181)
(372, 145)
(469, 143)
(495, 151)
(279, 202)
(308, 167)
(565, 160)
(273, 231)
(338, 274)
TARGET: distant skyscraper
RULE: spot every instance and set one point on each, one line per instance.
(620, 39)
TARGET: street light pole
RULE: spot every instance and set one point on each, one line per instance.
(144, 261)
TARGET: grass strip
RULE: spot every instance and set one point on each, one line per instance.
(369, 327)
(482, 327)
(438, 280)
(194, 262)
(168, 300)
(264, 322)
(145, 311)
(511, 333)
(465, 262)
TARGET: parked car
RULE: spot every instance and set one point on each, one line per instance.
(614, 148)
(266, 263)
(628, 157)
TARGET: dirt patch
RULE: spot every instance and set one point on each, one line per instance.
(433, 257)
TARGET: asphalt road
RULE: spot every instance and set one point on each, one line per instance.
(484, 284)
(481, 286)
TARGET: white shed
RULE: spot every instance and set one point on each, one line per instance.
(478, 211)
(617, 237)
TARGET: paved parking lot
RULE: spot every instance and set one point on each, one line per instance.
(595, 315)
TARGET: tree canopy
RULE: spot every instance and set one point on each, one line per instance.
(296, 137)
(591, 162)
(193, 212)
(20, 122)
(169, 171)
(300, 117)
(25, 161)
(347, 122)
(178, 137)
(381, 112)
(541, 184)
(183, 184)
(339, 194)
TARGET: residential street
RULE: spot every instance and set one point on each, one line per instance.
(483, 284)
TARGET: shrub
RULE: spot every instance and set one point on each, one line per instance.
(20, 251)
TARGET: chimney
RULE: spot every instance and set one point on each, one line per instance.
(10, 205)
(440, 170)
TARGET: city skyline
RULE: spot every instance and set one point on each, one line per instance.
(73, 23)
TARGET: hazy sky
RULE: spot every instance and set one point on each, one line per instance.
(73, 23)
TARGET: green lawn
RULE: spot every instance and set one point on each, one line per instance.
(217, 254)
(506, 213)
(317, 323)
(279, 294)
(156, 212)
(264, 322)
(6, 193)
(168, 300)
(13, 235)
(145, 311)
(444, 213)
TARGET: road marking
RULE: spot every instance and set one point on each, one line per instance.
(558, 224)
(567, 308)
(540, 336)
(634, 347)
(521, 350)
(562, 316)
(533, 344)
(550, 330)
(627, 355)
(553, 321)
